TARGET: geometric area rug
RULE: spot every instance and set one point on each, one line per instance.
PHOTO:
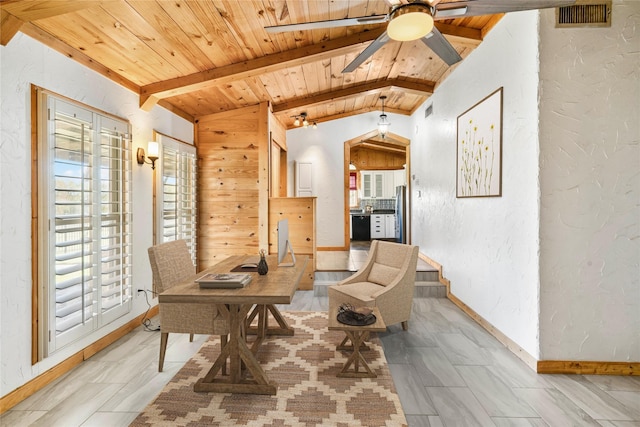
(309, 394)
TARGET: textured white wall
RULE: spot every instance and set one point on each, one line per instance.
(24, 61)
(488, 246)
(324, 147)
(590, 189)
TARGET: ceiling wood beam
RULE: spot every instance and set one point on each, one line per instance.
(492, 23)
(459, 34)
(29, 10)
(9, 27)
(48, 40)
(380, 147)
(17, 13)
(379, 143)
(289, 124)
(151, 93)
(177, 111)
(374, 135)
(424, 88)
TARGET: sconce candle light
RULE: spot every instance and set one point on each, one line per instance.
(153, 150)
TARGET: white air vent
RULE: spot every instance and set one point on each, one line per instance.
(584, 14)
(428, 111)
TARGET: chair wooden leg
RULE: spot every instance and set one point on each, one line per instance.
(164, 337)
(190, 337)
(405, 325)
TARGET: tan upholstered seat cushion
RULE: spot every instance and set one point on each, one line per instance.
(382, 274)
(363, 291)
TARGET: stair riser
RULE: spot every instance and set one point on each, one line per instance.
(336, 276)
(422, 289)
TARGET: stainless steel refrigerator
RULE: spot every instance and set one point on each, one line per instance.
(401, 214)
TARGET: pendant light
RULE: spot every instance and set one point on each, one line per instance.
(383, 124)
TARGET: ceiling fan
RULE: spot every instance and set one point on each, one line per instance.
(415, 20)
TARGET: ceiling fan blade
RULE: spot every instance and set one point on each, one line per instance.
(441, 47)
(370, 50)
(461, 9)
(331, 23)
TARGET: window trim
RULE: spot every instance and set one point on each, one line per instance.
(40, 219)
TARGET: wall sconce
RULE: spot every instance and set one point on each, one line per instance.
(383, 124)
(153, 149)
(302, 119)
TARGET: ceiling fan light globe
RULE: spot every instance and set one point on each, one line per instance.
(410, 23)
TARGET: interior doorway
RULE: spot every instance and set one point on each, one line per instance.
(372, 152)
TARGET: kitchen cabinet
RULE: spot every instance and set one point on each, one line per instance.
(379, 184)
(388, 185)
(383, 226)
(399, 177)
(372, 184)
(378, 226)
(390, 226)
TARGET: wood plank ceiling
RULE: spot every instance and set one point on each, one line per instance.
(197, 57)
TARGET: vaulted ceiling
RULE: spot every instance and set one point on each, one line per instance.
(197, 57)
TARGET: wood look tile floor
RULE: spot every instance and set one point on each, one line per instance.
(448, 371)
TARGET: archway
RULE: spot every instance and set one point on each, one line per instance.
(391, 143)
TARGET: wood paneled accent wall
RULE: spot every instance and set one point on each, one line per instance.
(301, 213)
(278, 158)
(233, 177)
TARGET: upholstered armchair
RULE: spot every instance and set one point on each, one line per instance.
(171, 264)
(386, 280)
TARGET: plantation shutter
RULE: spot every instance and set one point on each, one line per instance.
(178, 195)
(115, 219)
(88, 244)
(169, 222)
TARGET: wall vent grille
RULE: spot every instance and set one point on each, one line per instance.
(587, 14)
(428, 111)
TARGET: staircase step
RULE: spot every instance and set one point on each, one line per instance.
(331, 276)
(336, 276)
(427, 276)
(423, 289)
(430, 289)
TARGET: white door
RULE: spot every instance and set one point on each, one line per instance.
(304, 181)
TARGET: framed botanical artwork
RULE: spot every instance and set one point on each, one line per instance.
(479, 149)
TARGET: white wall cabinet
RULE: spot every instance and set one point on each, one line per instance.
(388, 185)
(372, 185)
(381, 184)
(399, 177)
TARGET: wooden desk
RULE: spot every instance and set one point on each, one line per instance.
(276, 287)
